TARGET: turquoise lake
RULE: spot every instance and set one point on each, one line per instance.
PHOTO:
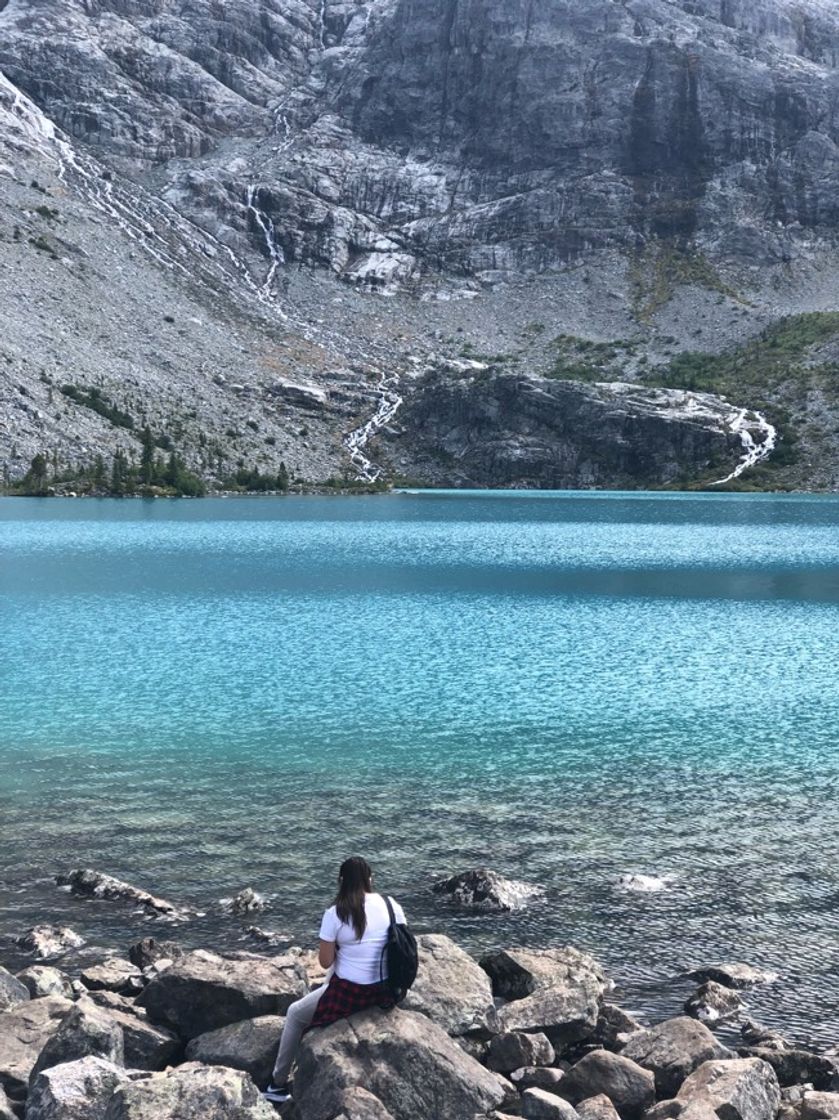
(199, 696)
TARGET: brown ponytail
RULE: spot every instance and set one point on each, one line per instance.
(354, 882)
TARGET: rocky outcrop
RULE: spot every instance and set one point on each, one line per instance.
(25, 1030)
(246, 901)
(192, 1090)
(487, 891)
(86, 1031)
(12, 990)
(673, 1050)
(713, 1001)
(731, 975)
(539, 1104)
(250, 1045)
(516, 973)
(738, 1089)
(96, 884)
(406, 1061)
(49, 941)
(113, 975)
(202, 992)
(630, 1088)
(147, 1045)
(450, 988)
(75, 1090)
(358, 1104)
(515, 1050)
(41, 980)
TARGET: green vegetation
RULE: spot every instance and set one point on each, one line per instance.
(663, 267)
(94, 399)
(251, 480)
(580, 359)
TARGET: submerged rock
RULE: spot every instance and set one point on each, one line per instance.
(96, 884)
(78, 1090)
(451, 988)
(191, 1092)
(713, 1001)
(250, 1045)
(247, 901)
(406, 1061)
(202, 991)
(49, 941)
(672, 1050)
(731, 975)
(485, 890)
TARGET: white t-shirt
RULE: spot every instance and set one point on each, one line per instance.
(361, 961)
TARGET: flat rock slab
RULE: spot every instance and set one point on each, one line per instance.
(191, 1092)
(451, 988)
(672, 1050)
(77, 1090)
(202, 992)
(409, 1063)
(566, 1012)
(517, 973)
(250, 1045)
(25, 1030)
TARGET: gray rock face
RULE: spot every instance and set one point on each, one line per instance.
(516, 973)
(41, 980)
(537, 1077)
(149, 951)
(250, 1046)
(484, 890)
(188, 1092)
(614, 1026)
(713, 1001)
(406, 1061)
(793, 1066)
(565, 1013)
(731, 975)
(86, 1031)
(597, 1108)
(820, 1106)
(147, 1045)
(96, 884)
(247, 901)
(450, 988)
(202, 991)
(6, 1107)
(113, 975)
(12, 991)
(78, 1090)
(49, 941)
(629, 1087)
(539, 1104)
(672, 1050)
(513, 1051)
(358, 1104)
(739, 1089)
(25, 1030)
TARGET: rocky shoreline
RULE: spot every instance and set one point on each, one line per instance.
(172, 1032)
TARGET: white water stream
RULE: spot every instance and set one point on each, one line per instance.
(269, 233)
(753, 451)
(389, 404)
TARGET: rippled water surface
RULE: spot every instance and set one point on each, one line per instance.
(199, 696)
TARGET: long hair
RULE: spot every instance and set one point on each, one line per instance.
(354, 881)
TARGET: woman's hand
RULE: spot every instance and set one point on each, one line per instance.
(326, 954)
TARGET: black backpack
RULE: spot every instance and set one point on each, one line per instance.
(400, 955)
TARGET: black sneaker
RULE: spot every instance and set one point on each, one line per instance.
(279, 1094)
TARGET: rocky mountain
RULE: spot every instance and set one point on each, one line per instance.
(503, 242)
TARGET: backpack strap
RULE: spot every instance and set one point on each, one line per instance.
(392, 916)
(389, 905)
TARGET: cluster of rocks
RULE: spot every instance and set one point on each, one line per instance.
(172, 1033)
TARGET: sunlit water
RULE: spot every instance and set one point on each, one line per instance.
(200, 696)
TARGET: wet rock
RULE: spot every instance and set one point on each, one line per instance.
(712, 1002)
(12, 991)
(537, 1077)
(25, 1030)
(614, 1027)
(450, 988)
(565, 1012)
(516, 973)
(250, 1045)
(96, 884)
(202, 992)
(753, 1034)
(78, 1090)
(358, 1104)
(266, 936)
(409, 1063)
(597, 1108)
(672, 1050)
(147, 1045)
(190, 1092)
(736, 1089)
(247, 901)
(538, 1104)
(49, 941)
(86, 1031)
(629, 1087)
(512, 1051)
(487, 891)
(731, 975)
(794, 1066)
(113, 975)
(42, 980)
(149, 951)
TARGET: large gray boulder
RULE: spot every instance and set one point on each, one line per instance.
(515, 1050)
(597, 1108)
(735, 1089)
(149, 951)
(147, 1045)
(732, 974)
(537, 1077)
(486, 891)
(517, 973)
(77, 1090)
(614, 1027)
(409, 1063)
(819, 1106)
(190, 1092)
(12, 991)
(202, 991)
(250, 1046)
(25, 1030)
(113, 975)
(88, 883)
(6, 1107)
(629, 1087)
(539, 1104)
(672, 1050)
(86, 1031)
(793, 1066)
(451, 988)
(358, 1104)
(42, 980)
(712, 1002)
(566, 1012)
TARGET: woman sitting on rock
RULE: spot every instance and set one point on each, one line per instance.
(353, 935)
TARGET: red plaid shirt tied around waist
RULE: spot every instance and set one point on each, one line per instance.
(343, 998)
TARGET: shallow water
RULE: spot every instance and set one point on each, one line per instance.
(199, 696)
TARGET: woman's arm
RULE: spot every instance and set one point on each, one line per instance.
(326, 953)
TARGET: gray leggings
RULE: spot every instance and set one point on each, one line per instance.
(298, 1017)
